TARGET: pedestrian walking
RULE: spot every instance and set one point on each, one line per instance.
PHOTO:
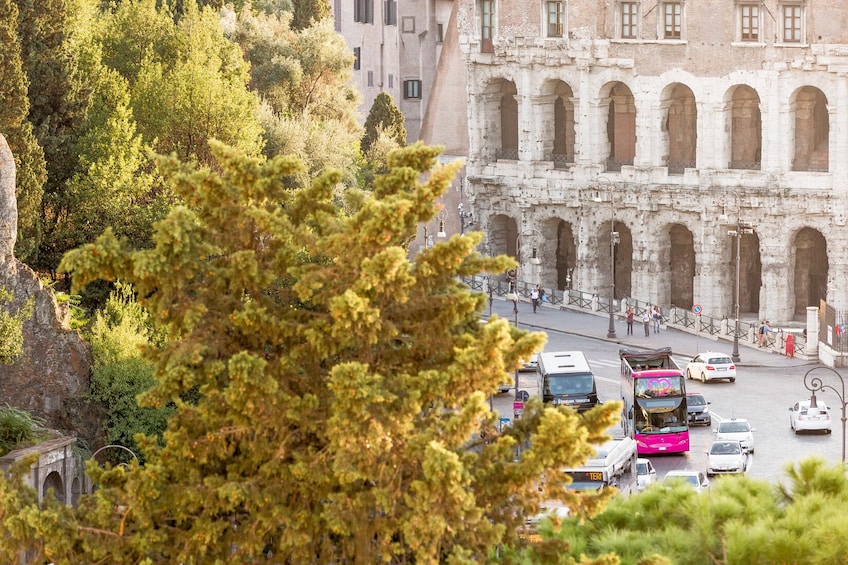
(760, 334)
(766, 330)
(630, 317)
(534, 297)
(646, 321)
(657, 319)
(790, 345)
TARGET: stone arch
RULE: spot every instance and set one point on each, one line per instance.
(745, 127)
(76, 491)
(620, 126)
(498, 110)
(564, 132)
(54, 481)
(502, 237)
(622, 259)
(811, 130)
(508, 118)
(811, 269)
(681, 266)
(566, 255)
(679, 129)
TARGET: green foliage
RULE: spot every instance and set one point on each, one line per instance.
(119, 335)
(28, 154)
(12, 327)
(19, 428)
(309, 12)
(384, 117)
(331, 422)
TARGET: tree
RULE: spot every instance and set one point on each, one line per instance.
(120, 372)
(309, 12)
(384, 115)
(341, 409)
(28, 154)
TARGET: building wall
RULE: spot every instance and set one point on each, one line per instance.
(753, 106)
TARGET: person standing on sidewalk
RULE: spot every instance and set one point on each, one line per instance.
(790, 345)
(657, 318)
(630, 316)
(646, 321)
(534, 296)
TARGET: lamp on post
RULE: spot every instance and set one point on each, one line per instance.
(741, 229)
(815, 384)
(613, 240)
(512, 277)
(428, 238)
(463, 215)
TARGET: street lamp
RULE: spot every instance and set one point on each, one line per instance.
(816, 384)
(613, 240)
(742, 228)
(512, 277)
(428, 239)
(463, 215)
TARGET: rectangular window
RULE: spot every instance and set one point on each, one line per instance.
(440, 33)
(554, 10)
(391, 80)
(357, 52)
(363, 11)
(672, 15)
(408, 24)
(412, 89)
(749, 22)
(792, 20)
(337, 10)
(629, 20)
(390, 12)
(370, 78)
(487, 22)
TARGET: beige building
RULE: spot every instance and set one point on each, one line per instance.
(653, 129)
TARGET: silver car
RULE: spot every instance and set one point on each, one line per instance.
(736, 429)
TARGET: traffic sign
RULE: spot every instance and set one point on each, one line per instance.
(696, 309)
(517, 406)
(523, 395)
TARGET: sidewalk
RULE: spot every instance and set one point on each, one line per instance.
(596, 326)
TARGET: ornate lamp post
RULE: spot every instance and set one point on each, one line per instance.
(613, 241)
(816, 384)
(463, 215)
(741, 229)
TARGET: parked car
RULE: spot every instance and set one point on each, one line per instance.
(698, 409)
(696, 479)
(711, 366)
(806, 418)
(645, 474)
(726, 456)
(737, 429)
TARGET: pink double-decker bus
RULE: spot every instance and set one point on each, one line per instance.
(653, 392)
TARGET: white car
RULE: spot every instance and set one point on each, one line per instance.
(736, 429)
(696, 479)
(803, 417)
(645, 474)
(726, 456)
(711, 366)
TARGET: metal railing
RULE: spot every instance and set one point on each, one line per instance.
(506, 154)
(561, 160)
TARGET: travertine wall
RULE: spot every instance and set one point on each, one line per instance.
(741, 173)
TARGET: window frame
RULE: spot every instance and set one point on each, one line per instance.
(407, 24)
(412, 89)
(390, 12)
(357, 58)
(363, 11)
(667, 32)
(558, 29)
(754, 32)
(801, 18)
(632, 17)
(487, 25)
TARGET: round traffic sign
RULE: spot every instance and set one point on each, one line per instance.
(696, 309)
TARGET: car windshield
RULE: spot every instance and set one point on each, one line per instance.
(695, 400)
(732, 427)
(720, 360)
(725, 448)
(642, 468)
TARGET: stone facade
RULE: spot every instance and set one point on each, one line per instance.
(656, 129)
(50, 377)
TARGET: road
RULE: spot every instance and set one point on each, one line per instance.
(762, 395)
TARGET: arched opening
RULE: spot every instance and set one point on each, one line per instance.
(812, 130)
(76, 491)
(508, 121)
(746, 130)
(811, 269)
(54, 481)
(680, 128)
(621, 127)
(623, 260)
(682, 266)
(563, 149)
(503, 236)
(750, 273)
(566, 256)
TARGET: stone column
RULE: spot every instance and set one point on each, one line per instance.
(542, 116)
(8, 204)
(812, 346)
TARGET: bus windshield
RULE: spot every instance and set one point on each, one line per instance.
(660, 415)
(557, 385)
(653, 387)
